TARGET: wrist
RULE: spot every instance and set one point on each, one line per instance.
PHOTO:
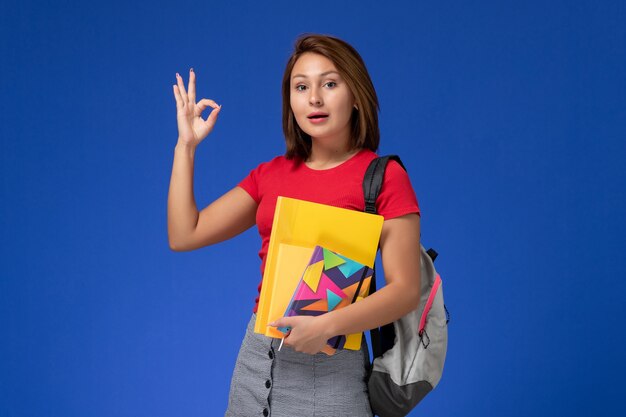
(325, 323)
(185, 148)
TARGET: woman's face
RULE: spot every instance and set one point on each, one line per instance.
(320, 98)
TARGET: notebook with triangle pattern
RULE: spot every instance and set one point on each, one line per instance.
(330, 281)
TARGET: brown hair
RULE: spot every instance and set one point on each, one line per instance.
(364, 121)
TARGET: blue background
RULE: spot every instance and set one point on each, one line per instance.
(510, 117)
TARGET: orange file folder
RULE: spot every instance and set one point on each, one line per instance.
(297, 228)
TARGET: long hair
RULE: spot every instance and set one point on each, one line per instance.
(364, 121)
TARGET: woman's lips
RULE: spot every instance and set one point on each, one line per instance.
(318, 119)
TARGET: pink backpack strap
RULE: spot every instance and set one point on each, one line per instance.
(429, 303)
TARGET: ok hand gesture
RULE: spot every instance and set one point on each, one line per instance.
(192, 129)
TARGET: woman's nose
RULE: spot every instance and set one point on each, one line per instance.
(315, 98)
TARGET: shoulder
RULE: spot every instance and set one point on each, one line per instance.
(265, 173)
(395, 172)
(397, 196)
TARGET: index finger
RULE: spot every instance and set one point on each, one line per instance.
(192, 86)
(181, 88)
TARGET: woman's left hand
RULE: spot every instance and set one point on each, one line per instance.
(307, 333)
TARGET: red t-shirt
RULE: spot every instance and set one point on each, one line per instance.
(341, 186)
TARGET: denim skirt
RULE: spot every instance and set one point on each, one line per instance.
(267, 382)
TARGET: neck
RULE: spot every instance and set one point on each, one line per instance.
(329, 152)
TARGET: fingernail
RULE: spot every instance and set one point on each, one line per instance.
(191, 70)
(177, 75)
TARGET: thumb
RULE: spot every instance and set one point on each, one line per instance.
(281, 322)
(210, 120)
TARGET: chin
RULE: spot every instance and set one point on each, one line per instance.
(321, 131)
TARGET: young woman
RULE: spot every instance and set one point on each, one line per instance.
(330, 122)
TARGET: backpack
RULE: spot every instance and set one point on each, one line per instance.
(410, 352)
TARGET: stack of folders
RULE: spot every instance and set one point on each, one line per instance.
(320, 259)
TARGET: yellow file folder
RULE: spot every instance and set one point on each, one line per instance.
(297, 228)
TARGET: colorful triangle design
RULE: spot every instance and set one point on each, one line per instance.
(319, 305)
(305, 293)
(365, 288)
(333, 299)
(332, 260)
(349, 267)
(318, 255)
(312, 275)
(350, 290)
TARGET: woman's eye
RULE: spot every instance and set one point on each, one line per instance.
(331, 84)
(300, 87)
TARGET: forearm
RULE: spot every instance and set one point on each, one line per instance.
(384, 306)
(182, 212)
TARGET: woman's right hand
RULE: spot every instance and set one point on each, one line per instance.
(192, 129)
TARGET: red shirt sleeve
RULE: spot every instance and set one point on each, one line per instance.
(397, 196)
(251, 185)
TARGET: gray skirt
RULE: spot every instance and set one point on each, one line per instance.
(267, 382)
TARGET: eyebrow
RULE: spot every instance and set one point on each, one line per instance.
(321, 75)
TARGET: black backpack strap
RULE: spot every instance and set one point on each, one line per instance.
(373, 180)
(382, 339)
